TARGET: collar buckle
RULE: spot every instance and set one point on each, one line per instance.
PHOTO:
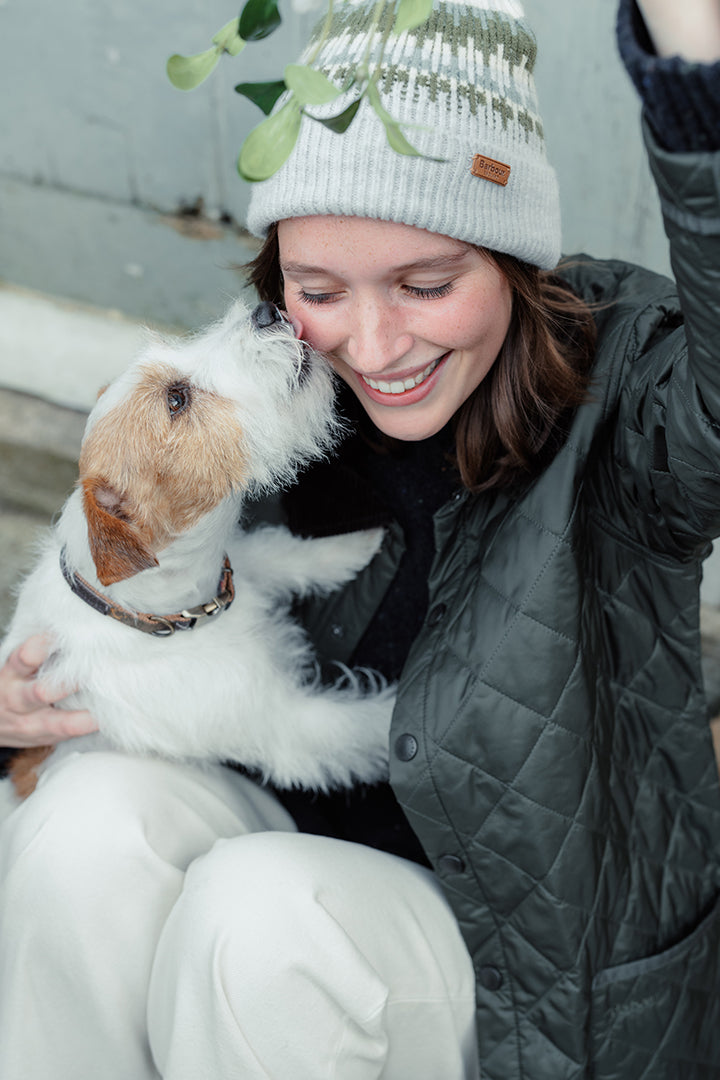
(156, 625)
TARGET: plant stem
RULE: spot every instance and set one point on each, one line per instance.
(323, 34)
(376, 16)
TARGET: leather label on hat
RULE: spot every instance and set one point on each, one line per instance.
(489, 169)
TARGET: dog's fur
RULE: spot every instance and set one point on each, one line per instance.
(155, 511)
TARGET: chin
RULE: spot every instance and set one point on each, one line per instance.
(407, 429)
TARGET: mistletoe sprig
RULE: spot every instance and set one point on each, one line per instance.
(269, 144)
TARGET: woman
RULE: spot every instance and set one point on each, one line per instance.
(537, 895)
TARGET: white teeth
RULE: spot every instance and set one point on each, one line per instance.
(401, 387)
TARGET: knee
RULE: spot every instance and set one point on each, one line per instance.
(252, 933)
(246, 883)
(73, 837)
(252, 905)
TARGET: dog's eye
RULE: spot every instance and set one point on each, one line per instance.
(178, 398)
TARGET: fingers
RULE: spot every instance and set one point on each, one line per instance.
(28, 657)
(28, 716)
(45, 727)
(26, 694)
(23, 692)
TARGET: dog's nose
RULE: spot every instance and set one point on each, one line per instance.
(265, 315)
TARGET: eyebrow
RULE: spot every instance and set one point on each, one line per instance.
(434, 262)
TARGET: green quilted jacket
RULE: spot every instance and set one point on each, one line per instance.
(550, 745)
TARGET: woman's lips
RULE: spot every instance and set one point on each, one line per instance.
(403, 391)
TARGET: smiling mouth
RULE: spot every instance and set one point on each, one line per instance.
(400, 386)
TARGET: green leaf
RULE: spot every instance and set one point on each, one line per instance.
(258, 19)
(262, 94)
(412, 13)
(342, 121)
(187, 72)
(395, 137)
(397, 140)
(270, 144)
(310, 87)
(229, 38)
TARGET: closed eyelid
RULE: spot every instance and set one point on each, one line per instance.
(303, 286)
(430, 291)
(328, 296)
(316, 297)
(308, 276)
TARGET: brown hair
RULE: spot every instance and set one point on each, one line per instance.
(516, 419)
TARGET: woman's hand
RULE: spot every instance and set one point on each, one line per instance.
(687, 28)
(27, 715)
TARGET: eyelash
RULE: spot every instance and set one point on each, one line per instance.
(429, 293)
(314, 298)
(433, 293)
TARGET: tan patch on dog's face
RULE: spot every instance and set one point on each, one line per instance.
(163, 457)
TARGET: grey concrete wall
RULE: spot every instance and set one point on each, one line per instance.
(591, 114)
(100, 158)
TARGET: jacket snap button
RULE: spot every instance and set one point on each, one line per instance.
(337, 630)
(490, 977)
(451, 864)
(436, 615)
(406, 747)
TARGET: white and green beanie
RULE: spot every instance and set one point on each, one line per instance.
(462, 87)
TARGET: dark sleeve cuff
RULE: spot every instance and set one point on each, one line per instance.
(681, 99)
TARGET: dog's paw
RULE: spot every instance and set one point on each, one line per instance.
(335, 560)
(359, 548)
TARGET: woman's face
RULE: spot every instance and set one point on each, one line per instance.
(411, 320)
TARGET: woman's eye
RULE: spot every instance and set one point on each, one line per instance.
(178, 399)
(429, 292)
(316, 298)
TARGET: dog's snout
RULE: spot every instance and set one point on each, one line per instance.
(265, 315)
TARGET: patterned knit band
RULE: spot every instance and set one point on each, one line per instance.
(462, 87)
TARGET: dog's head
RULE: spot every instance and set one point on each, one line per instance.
(240, 406)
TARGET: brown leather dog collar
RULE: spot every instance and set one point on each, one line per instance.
(157, 625)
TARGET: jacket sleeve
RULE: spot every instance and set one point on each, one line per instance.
(667, 434)
(667, 440)
(684, 406)
(666, 449)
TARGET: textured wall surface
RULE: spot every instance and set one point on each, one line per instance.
(592, 116)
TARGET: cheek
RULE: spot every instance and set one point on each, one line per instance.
(484, 320)
(318, 330)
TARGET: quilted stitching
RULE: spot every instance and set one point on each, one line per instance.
(565, 875)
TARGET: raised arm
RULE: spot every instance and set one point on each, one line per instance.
(686, 28)
(671, 400)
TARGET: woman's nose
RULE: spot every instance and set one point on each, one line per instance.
(375, 339)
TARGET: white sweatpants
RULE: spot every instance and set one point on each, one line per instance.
(164, 920)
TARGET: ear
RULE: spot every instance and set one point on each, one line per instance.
(116, 544)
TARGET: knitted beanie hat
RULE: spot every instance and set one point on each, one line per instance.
(461, 85)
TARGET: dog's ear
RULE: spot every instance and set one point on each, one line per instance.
(116, 544)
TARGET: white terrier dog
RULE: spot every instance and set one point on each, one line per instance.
(171, 450)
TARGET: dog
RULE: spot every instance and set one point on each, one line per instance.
(168, 619)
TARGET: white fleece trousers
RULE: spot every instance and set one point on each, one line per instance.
(164, 920)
